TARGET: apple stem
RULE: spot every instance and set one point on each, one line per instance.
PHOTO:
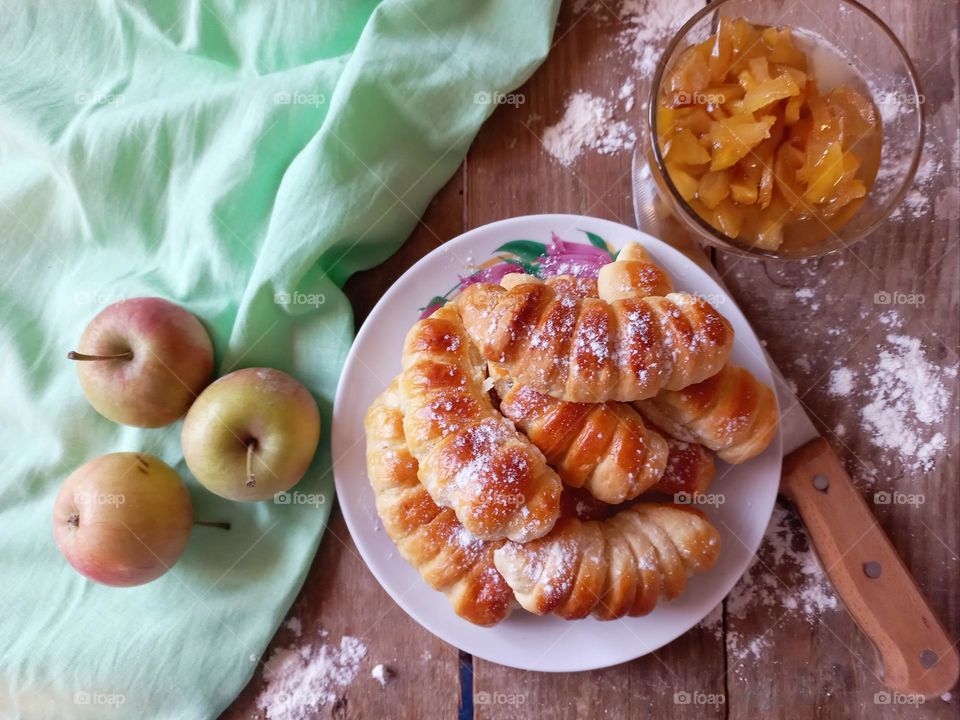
(251, 480)
(74, 520)
(212, 524)
(74, 355)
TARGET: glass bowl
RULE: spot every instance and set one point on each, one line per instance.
(842, 39)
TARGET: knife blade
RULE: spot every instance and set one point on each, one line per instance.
(916, 654)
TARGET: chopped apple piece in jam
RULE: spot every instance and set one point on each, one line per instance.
(685, 183)
(714, 187)
(685, 149)
(856, 113)
(782, 48)
(721, 51)
(736, 136)
(769, 91)
(743, 192)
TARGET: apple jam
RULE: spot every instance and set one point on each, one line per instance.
(756, 147)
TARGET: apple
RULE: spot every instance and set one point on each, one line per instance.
(251, 434)
(142, 361)
(122, 519)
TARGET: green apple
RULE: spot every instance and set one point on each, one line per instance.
(142, 361)
(122, 519)
(251, 434)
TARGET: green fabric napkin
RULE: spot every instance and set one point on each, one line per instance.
(242, 159)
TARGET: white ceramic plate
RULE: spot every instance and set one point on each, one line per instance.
(526, 641)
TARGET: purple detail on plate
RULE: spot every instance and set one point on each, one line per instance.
(493, 274)
(430, 309)
(559, 246)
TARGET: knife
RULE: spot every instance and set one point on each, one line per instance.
(915, 651)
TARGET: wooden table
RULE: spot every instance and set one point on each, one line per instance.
(820, 667)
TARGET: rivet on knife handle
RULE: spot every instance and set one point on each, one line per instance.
(877, 589)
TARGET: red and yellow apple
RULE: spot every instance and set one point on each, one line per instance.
(251, 434)
(122, 519)
(143, 361)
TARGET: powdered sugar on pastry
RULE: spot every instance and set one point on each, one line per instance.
(471, 459)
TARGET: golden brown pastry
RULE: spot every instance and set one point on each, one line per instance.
(732, 413)
(610, 568)
(429, 537)
(603, 447)
(587, 350)
(564, 284)
(690, 468)
(633, 274)
(471, 458)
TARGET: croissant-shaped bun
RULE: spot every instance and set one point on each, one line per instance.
(588, 350)
(732, 413)
(429, 537)
(610, 568)
(471, 458)
(633, 274)
(603, 447)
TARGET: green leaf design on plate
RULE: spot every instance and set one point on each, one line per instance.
(598, 241)
(529, 250)
(530, 268)
(435, 300)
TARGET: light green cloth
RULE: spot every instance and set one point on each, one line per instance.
(220, 154)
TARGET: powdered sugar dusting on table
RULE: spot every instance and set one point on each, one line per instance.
(590, 122)
(648, 26)
(785, 576)
(907, 397)
(302, 678)
(841, 382)
(909, 402)
(587, 123)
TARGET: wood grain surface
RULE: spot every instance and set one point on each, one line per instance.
(805, 667)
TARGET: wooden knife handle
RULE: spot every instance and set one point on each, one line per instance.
(870, 577)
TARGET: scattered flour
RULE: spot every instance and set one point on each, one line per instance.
(919, 200)
(294, 625)
(626, 94)
(300, 679)
(909, 402)
(908, 396)
(785, 573)
(587, 123)
(714, 622)
(785, 576)
(785, 579)
(382, 674)
(648, 27)
(841, 382)
(891, 319)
